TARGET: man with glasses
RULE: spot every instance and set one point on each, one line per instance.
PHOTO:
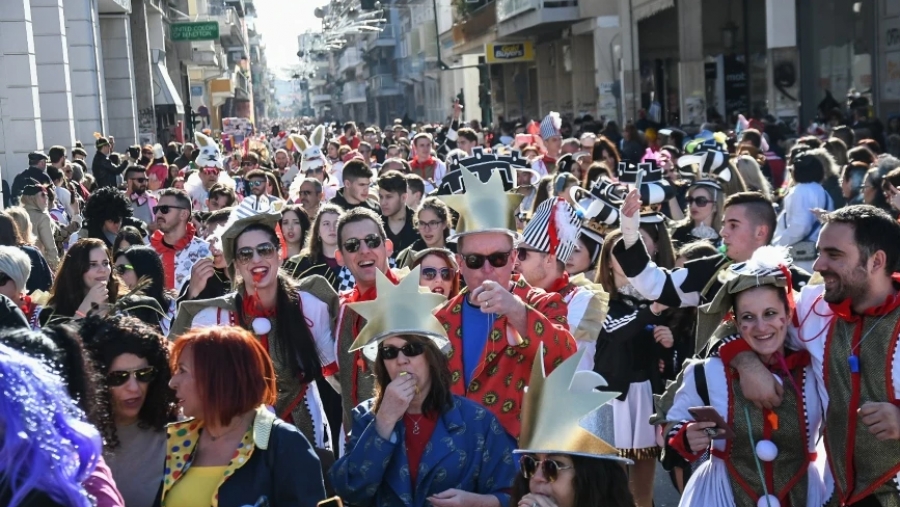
(549, 240)
(498, 324)
(310, 197)
(142, 202)
(398, 218)
(175, 239)
(363, 249)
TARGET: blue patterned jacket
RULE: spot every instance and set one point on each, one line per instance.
(469, 450)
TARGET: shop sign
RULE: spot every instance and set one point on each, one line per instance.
(204, 30)
(509, 53)
(510, 8)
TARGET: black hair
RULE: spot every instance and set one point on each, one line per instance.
(56, 153)
(180, 196)
(107, 203)
(54, 173)
(147, 262)
(356, 169)
(861, 154)
(414, 183)
(305, 223)
(357, 215)
(107, 338)
(759, 210)
(597, 482)
(134, 168)
(873, 229)
(296, 340)
(129, 234)
(393, 181)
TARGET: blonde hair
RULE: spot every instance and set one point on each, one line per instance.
(753, 177)
(23, 222)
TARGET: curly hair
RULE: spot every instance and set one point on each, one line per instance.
(108, 203)
(107, 338)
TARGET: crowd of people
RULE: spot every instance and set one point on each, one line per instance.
(444, 315)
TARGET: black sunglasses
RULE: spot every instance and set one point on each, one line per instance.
(496, 259)
(316, 170)
(432, 273)
(549, 467)
(165, 209)
(256, 183)
(372, 241)
(122, 268)
(409, 350)
(522, 253)
(139, 180)
(120, 377)
(265, 251)
(701, 201)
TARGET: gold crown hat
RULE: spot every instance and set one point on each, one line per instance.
(252, 210)
(484, 207)
(555, 407)
(401, 309)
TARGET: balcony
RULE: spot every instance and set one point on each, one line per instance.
(350, 59)
(386, 38)
(516, 18)
(231, 28)
(476, 26)
(354, 93)
(384, 86)
(321, 98)
(205, 54)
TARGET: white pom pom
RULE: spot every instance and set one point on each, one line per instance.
(261, 326)
(567, 232)
(766, 450)
(768, 501)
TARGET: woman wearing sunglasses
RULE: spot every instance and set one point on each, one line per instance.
(433, 223)
(293, 322)
(318, 257)
(86, 285)
(133, 360)
(415, 443)
(439, 271)
(703, 218)
(233, 451)
(142, 261)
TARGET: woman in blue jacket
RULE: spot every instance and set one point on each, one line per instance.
(414, 443)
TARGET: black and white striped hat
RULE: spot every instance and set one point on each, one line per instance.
(553, 229)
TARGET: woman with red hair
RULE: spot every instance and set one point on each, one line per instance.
(232, 450)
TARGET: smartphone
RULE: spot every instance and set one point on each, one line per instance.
(709, 414)
(334, 501)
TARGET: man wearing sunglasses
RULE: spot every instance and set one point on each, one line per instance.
(176, 239)
(142, 202)
(364, 250)
(541, 259)
(499, 323)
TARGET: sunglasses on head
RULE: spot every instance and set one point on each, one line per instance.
(165, 209)
(701, 201)
(549, 467)
(120, 377)
(122, 268)
(432, 273)
(265, 251)
(389, 352)
(496, 259)
(372, 241)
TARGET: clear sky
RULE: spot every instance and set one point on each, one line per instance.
(280, 22)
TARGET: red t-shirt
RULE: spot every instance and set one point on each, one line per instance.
(352, 142)
(415, 444)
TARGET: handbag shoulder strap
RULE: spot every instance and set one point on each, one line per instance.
(700, 382)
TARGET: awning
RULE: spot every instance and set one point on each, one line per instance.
(220, 90)
(164, 91)
(643, 9)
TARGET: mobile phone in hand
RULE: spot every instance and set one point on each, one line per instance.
(709, 414)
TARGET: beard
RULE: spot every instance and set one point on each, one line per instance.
(851, 286)
(140, 190)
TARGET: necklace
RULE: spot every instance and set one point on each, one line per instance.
(853, 360)
(416, 429)
(214, 438)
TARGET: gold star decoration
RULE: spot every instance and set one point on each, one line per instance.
(402, 309)
(483, 207)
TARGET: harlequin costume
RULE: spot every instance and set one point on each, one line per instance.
(298, 399)
(855, 358)
(550, 127)
(460, 446)
(771, 460)
(499, 380)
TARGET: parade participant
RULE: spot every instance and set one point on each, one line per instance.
(209, 277)
(133, 361)
(104, 214)
(583, 260)
(408, 446)
(142, 202)
(210, 172)
(415, 189)
(175, 238)
(138, 262)
(499, 322)
(355, 194)
(293, 323)
(295, 227)
(398, 218)
(85, 284)
(318, 257)
(62, 450)
(350, 137)
(548, 241)
(233, 451)
(284, 168)
(431, 169)
(439, 271)
(186, 157)
(158, 173)
(15, 268)
(105, 171)
(432, 219)
(34, 200)
(849, 326)
(310, 196)
(552, 138)
(705, 198)
(768, 458)
(41, 278)
(564, 459)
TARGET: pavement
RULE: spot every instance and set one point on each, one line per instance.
(664, 494)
